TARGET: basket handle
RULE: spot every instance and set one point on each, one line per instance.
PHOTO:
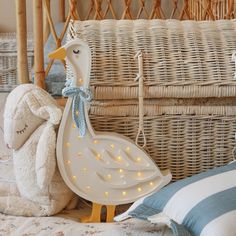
(140, 78)
(3, 71)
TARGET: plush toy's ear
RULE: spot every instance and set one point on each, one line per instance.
(45, 156)
(42, 105)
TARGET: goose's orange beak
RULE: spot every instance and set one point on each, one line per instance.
(60, 53)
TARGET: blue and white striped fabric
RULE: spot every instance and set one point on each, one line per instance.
(204, 204)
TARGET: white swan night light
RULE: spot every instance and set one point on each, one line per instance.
(104, 168)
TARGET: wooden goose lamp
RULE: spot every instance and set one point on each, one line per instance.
(104, 168)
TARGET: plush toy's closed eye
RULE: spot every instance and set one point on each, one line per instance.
(22, 130)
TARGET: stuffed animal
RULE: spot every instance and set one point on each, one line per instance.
(31, 117)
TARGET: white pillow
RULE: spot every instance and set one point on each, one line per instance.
(202, 205)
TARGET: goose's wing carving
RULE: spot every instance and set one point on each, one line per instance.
(122, 159)
(128, 167)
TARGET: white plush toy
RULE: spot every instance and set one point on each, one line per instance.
(30, 118)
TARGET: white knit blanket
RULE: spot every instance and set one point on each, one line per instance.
(66, 224)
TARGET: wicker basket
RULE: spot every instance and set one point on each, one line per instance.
(185, 139)
(8, 60)
(182, 60)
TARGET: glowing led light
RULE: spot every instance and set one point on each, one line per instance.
(67, 144)
(127, 149)
(121, 170)
(73, 125)
(80, 81)
(68, 162)
(119, 158)
(77, 113)
(139, 174)
(74, 177)
(139, 189)
(109, 176)
(124, 193)
(112, 146)
(95, 141)
(85, 169)
(106, 194)
(139, 159)
(151, 183)
(99, 156)
(88, 187)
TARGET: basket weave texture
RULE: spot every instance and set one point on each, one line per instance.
(187, 60)
(8, 60)
(185, 139)
(181, 58)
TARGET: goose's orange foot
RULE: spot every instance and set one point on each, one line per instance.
(110, 213)
(95, 216)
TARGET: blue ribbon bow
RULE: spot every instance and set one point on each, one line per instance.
(79, 96)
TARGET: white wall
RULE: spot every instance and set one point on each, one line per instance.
(8, 16)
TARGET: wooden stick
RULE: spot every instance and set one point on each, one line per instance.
(112, 10)
(21, 28)
(98, 14)
(49, 17)
(65, 27)
(127, 12)
(229, 14)
(91, 7)
(46, 26)
(49, 66)
(62, 11)
(38, 44)
(73, 9)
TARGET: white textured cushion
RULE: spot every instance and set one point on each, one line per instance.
(202, 205)
(30, 119)
(4, 152)
(8, 186)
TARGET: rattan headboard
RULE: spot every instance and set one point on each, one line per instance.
(151, 9)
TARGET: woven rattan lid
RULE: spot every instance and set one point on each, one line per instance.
(181, 58)
(8, 43)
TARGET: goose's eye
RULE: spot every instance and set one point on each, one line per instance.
(76, 51)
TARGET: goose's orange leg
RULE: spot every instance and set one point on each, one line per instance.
(95, 216)
(110, 213)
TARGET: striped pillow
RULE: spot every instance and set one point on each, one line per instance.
(204, 204)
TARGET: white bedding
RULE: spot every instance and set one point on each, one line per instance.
(67, 223)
